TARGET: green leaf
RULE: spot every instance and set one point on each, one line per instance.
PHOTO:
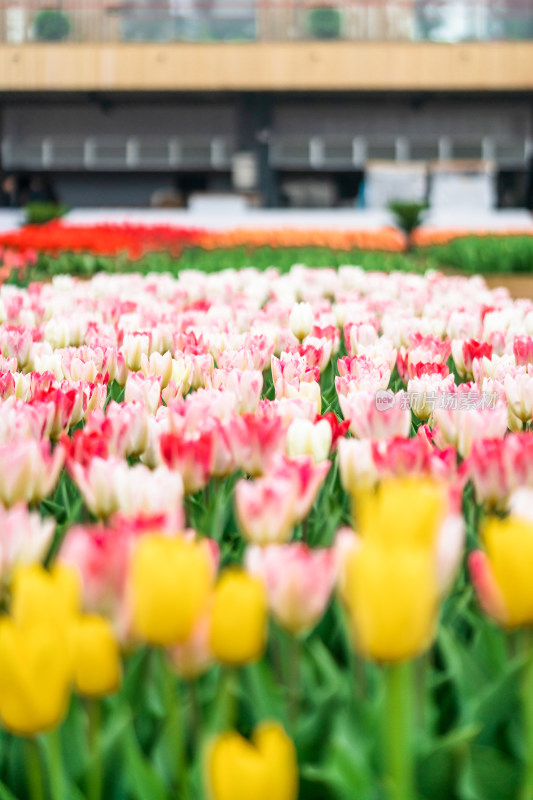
(5, 794)
(143, 780)
(489, 775)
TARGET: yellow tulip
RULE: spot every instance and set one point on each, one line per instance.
(263, 769)
(97, 668)
(404, 512)
(239, 618)
(502, 575)
(391, 596)
(171, 581)
(35, 676)
(45, 597)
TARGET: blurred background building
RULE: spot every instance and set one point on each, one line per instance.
(305, 103)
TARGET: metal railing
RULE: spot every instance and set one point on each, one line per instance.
(23, 21)
(117, 153)
(320, 153)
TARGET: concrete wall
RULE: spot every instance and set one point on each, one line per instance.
(473, 117)
(468, 117)
(174, 118)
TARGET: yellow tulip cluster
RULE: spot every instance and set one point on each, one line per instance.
(177, 603)
(390, 585)
(174, 588)
(47, 648)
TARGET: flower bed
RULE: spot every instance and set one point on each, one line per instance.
(287, 530)
(56, 249)
(505, 252)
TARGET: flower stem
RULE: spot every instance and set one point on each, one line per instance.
(527, 711)
(196, 711)
(398, 732)
(94, 775)
(175, 729)
(230, 688)
(293, 670)
(55, 766)
(34, 770)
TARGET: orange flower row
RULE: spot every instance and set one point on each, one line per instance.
(137, 240)
(430, 237)
(389, 239)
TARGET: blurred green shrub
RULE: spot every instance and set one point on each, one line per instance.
(325, 23)
(408, 215)
(51, 25)
(39, 212)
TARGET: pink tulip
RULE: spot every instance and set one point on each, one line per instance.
(400, 457)
(111, 485)
(359, 334)
(255, 439)
(519, 392)
(298, 580)
(467, 419)
(499, 466)
(316, 352)
(523, 350)
(128, 427)
(29, 471)
(306, 476)
(143, 389)
(192, 457)
(245, 385)
(7, 385)
(16, 342)
(265, 509)
(25, 538)
(465, 351)
(292, 368)
(424, 392)
(368, 421)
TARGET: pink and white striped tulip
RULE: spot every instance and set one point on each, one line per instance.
(265, 509)
(299, 582)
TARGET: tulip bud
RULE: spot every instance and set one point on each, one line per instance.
(159, 365)
(301, 320)
(264, 769)
(239, 618)
(306, 438)
(170, 583)
(357, 468)
(135, 345)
